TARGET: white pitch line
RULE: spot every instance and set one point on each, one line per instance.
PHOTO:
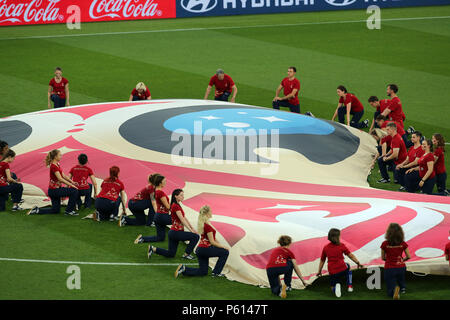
(96, 263)
(221, 28)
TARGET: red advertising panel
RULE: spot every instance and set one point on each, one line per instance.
(25, 12)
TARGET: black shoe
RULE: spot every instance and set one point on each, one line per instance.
(217, 275)
(366, 123)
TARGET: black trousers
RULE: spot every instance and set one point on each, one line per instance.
(203, 255)
(56, 195)
(106, 207)
(16, 190)
(174, 238)
(284, 103)
(356, 117)
(162, 220)
(273, 274)
(223, 97)
(57, 101)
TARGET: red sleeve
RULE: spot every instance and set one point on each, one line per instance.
(291, 254)
(53, 168)
(51, 83)
(91, 173)
(65, 81)
(231, 82)
(175, 208)
(148, 93)
(395, 143)
(383, 245)
(207, 228)
(297, 85)
(122, 186)
(404, 245)
(447, 249)
(134, 92)
(324, 255)
(341, 100)
(348, 99)
(393, 105)
(282, 83)
(345, 250)
(212, 81)
(438, 152)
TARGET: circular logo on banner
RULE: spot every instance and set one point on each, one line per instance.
(340, 3)
(198, 6)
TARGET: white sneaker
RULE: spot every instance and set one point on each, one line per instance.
(337, 290)
(350, 289)
(17, 208)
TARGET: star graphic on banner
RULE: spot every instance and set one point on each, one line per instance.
(64, 150)
(271, 119)
(210, 118)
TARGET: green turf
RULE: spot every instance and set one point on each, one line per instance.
(177, 64)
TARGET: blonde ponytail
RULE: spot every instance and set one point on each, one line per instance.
(203, 217)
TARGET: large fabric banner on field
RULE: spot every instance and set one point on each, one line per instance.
(263, 172)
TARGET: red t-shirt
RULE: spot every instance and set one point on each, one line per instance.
(394, 255)
(177, 225)
(288, 87)
(159, 194)
(3, 167)
(111, 189)
(396, 113)
(204, 241)
(397, 142)
(335, 254)
(80, 175)
(142, 96)
(59, 88)
(386, 139)
(400, 129)
(279, 257)
(221, 86)
(144, 194)
(54, 182)
(439, 166)
(423, 167)
(447, 250)
(414, 153)
(356, 105)
(383, 105)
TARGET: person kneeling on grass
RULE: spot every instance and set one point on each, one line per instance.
(111, 195)
(282, 261)
(8, 184)
(176, 232)
(207, 248)
(394, 266)
(337, 267)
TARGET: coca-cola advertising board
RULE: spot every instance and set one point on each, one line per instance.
(26, 12)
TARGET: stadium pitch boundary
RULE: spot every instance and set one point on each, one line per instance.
(95, 263)
(220, 28)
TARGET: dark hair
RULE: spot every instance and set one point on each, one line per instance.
(393, 87)
(418, 134)
(381, 117)
(293, 68)
(430, 144)
(392, 125)
(3, 145)
(58, 69)
(175, 193)
(82, 159)
(8, 154)
(440, 140)
(394, 234)
(342, 88)
(373, 99)
(284, 241)
(113, 173)
(156, 179)
(333, 236)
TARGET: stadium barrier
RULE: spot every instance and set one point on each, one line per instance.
(28, 12)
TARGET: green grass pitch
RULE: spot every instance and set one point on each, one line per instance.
(176, 62)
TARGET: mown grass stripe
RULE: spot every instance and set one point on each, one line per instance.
(95, 263)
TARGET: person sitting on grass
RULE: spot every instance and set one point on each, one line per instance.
(208, 247)
(282, 262)
(8, 184)
(394, 267)
(337, 268)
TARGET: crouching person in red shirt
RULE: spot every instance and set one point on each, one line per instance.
(282, 261)
(394, 266)
(337, 268)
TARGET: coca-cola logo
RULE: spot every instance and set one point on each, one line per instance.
(126, 9)
(32, 11)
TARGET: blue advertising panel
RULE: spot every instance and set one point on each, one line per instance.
(195, 8)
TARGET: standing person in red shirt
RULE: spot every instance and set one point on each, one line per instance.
(396, 155)
(414, 154)
(55, 190)
(8, 184)
(224, 86)
(380, 106)
(162, 216)
(141, 92)
(144, 199)
(394, 267)
(426, 177)
(337, 268)
(208, 247)
(282, 261)
(58, 90)
(176, 232)
(394, 111)
(348, 105)
(79, 175)
(291, 87)
(439, 163)
(111, 195)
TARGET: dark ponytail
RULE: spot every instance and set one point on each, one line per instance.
(175, 193)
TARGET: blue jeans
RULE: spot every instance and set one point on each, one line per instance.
(58, 102)
(223, 97)
(394, 277)
(174, 238)
(16, 190)
(284, 103)
(137, 207)
(273, 274)
(162, 220)
(106, 207)
(335, 278)
(356, 117)
(87, 197)
(56, 195)
(203, 255)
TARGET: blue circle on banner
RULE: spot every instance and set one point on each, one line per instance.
(241, 121)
